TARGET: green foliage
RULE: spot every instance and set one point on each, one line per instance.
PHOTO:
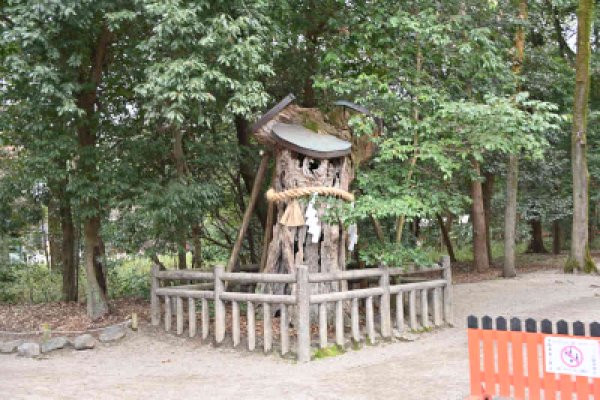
(129, 278)
(34, 283)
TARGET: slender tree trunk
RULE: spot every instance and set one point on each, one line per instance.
(480, 255)
(413, 161)
(580, 258)
(512, 173)
(510, 218)
(488, 193)
(537, 237)
(68, 250)
(54, 233)
(446, 238)
(556, 237)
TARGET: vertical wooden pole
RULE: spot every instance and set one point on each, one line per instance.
(154, 300)
(370, 319)
(267, 328)
(355, 321)
(192, 316)
(219, 305)
(251, 326)
(448, 313)
(339, 323)
(400, 312)
(323, 325)
(205, 319)
(424, 309)
(283, 330)
(437, 306)
(303, 302)
(258, 181)
(179, 301)
(412, 310)
(167, 313)
(235, 322)
(385, 318)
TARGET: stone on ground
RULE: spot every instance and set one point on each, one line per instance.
(29, 350)
(10, 347)
(112, 334)
(54, 344)
(84, 342)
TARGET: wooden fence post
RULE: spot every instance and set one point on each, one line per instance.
(154, 300)
(385, 318)
(448, 313)
(219, 305)
(303, 303)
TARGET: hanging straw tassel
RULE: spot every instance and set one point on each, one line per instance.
(292, 215)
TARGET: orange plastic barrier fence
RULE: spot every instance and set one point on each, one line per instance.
(509, 362)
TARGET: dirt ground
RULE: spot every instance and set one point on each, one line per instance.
(435, 366)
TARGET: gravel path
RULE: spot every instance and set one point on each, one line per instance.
(433, 367)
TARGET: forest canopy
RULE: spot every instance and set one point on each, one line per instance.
(125, 129)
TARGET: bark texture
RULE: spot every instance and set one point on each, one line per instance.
(536, 245)
(480, 254)
(512, 172)
(580, 259)
(90, 79)
(70, 263)
(446, 237)
(556, 237)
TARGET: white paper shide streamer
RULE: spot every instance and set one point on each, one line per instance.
(312, 220)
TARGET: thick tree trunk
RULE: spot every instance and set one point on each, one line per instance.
(480, 255)
(70, 265)
(90, 79)
(488, 193)
(446, 238)
(580, 258)
(556, 237)
(536, 245)
(97, 303)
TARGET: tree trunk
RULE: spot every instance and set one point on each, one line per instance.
(54, 233)
(197, 242)
(556, 237)
(97, 303)
(580, 258)
(413, 161)
(446, 238)
(488, 193)
(512, 172)
(510, 218)
(90, 79)
(480, 255)
(68, 250)
(537, 238)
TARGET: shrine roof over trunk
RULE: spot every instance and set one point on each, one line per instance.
(309, 143)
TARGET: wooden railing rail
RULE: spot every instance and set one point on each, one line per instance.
(424, 300)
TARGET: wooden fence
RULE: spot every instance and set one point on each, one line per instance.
(422, 302)
(508, 360)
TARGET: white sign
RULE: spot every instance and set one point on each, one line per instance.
(572, 356)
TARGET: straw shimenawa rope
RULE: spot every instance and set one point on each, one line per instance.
(273, 196)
